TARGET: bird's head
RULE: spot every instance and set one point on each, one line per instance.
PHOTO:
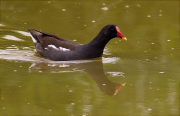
(113, 31)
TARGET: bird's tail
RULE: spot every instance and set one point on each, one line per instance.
(33, 36)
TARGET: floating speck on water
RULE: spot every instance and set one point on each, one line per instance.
(171, 54)
(161, 72)
(40, 11)
(70, 91)
(127, 6)
(78, 17)
(4, 108)
(28, 103)
(74, 40)
(172, 48)
(104, 8)
(130, 84)
(66, 85)
(157, 89)
(115, 42)
(63, 9)
(148, 15)
(156, 57)
(19, 86)
(93, 21)
(26, 48)
(63, 65)
(72, 103)
(1, 25)
(79, 3)
(40, 71)
(15, 70)
(138, 42)
(150, 82)
(145, 51)
(127, 11)
(138, 5)
(160, 15)
(20, 66)
(53, 65)
(49, 1)
(160, 10)
(84, 25)
(150, 87)
(152, 43)
(25, 23)
(103, 84)
(50, 110)
(147, 59)
(149, 109)
(168, 40)
(2, 98)
(103, 4)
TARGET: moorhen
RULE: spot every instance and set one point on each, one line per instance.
(59, 49)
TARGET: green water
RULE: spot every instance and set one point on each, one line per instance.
(148, 62)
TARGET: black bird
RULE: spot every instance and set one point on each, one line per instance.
(59, 49)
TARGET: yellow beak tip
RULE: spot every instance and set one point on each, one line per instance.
(124, 38)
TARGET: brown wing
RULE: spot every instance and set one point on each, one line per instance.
(49, 39)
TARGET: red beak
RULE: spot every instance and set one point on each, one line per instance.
(119, 34)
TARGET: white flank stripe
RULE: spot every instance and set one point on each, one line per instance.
(34, 40)
(60, 48)
(53, 46)
(64, 49)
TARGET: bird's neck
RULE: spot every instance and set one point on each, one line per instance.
(100, 41)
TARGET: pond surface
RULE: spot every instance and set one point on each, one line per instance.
(139, 76)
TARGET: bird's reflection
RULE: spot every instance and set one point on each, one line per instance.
(93, 68)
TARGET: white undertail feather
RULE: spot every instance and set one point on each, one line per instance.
(34, 40)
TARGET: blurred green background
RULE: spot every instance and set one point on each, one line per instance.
(148, 62)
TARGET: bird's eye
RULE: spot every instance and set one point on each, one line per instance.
(112, 29)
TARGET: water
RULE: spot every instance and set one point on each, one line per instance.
(139, 76)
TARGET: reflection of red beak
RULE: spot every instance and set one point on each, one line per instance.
(118, 86)
(119, 34)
